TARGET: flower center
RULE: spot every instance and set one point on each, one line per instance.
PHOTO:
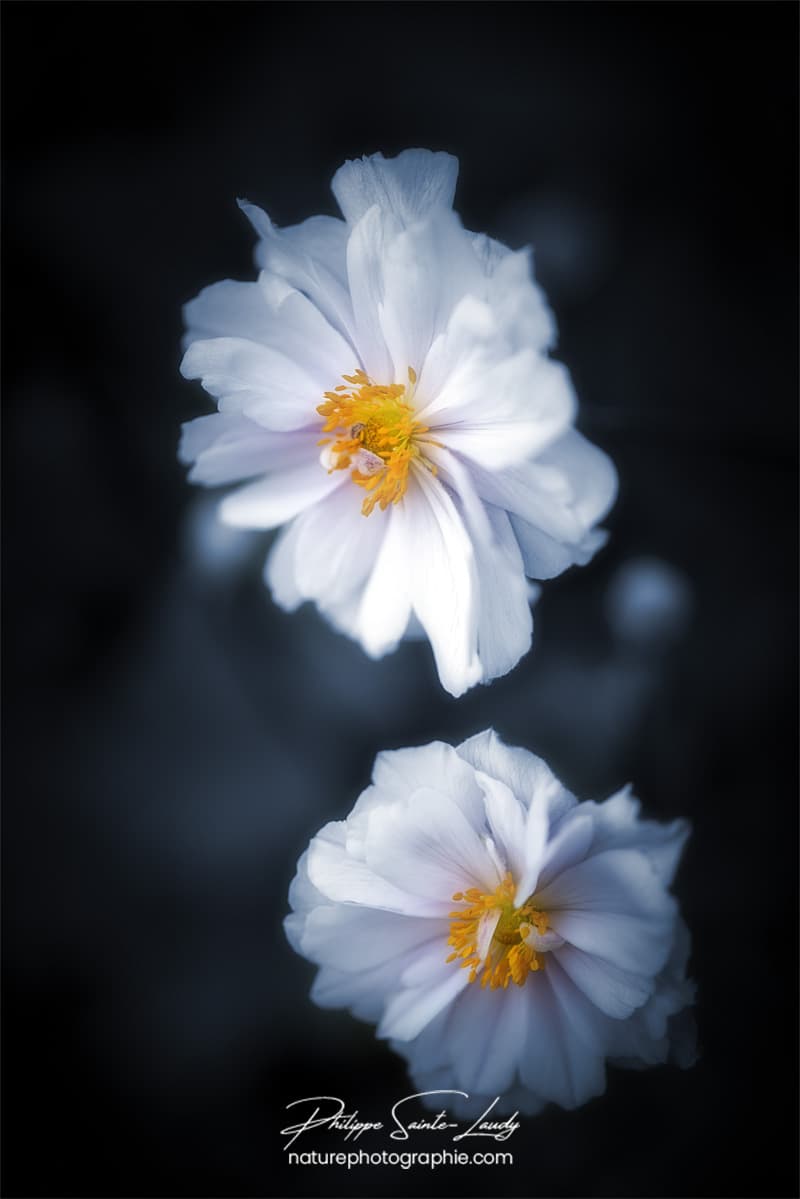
(507, 956)
(376, 433)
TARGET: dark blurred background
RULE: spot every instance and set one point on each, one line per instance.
(172, 739)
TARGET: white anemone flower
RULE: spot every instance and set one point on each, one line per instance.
(506, 939)
(385, 386)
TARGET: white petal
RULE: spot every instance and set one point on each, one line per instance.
(617, 826)
(408, 1012)
(498, 410)
(535, 839)
(569, 846)
(427, 269)
(280, 496)
(517, 301)
(364, 992)
(409, 185)
(554, 502)
(279, 569)
(311, 257)
(227, 446)
(485, 1038)
(505, 624)
(555, 1063)
(507, 819)
(366, 251)
(590, 473)
(355, 938)
(399, 773)
(428, 848)
(344, 880)
(257, 380)
(524, 772)
(335, 546)
(273, 313)
(227, 309)
(442, 582)
(385, 605)
(615, 992)
(613, 905)
(545, 557)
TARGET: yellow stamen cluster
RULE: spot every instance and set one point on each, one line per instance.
(377, 434)
(508, 958)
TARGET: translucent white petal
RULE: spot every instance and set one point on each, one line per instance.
(427, 270)
(311, 257)
(227, 446)
(257, 380)
(356, 938)
(614, 991)
(408, 1012)
(613, 905)
(524, 772)
(366, 253)
(279, 569)
(505, 623)
(534, 839)
(568, 846)
(277, 498)
(408, 186)
(555, 1063)
(335, 545)
(343, 879)
(227, 309)
(590, 473)
(486, 1062)
(399, 773)
(516, 300)
(442, 581)
(385, 604)
(429, 848)
(617, 825)
(507, 819)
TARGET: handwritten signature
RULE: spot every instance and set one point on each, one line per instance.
(330, 1113)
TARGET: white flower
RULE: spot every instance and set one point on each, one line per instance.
(386, 384)
(507, 939)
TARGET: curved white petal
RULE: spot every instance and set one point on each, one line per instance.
(227, 446)
(517, 301)
(429, 848)
(523, 772)
(335, 545)
(613, 905)
(385, 604)
(614, 991)
(442, 581)
(568, 846)
(366, 251)
(507, 820)
(410, 1010)
(227, 309)
(408, 186)
(343, 879)
(399, 773)
(617, 825)
(487, 1064)
(356, 939)
(311, 257)
(427, 269)
(257, 380)
(554, 1063)
(277, 498)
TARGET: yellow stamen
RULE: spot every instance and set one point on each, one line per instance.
(377, 434)
(509, 957)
